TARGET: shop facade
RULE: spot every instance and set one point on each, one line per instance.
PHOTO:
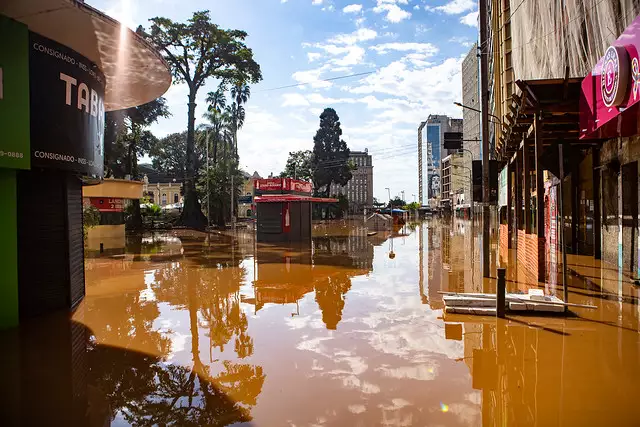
(63, 64)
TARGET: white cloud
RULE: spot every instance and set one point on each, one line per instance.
(313, 56)
(294, 100)
(313, 76)
(426, 48)
(471, 19)
(464, 41)
(360, 35)
(394, 13)
(352, 8)
(454, 7)
(316, 2)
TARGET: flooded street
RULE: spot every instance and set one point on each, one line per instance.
(187, 330)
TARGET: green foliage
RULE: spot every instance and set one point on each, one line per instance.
(90, 219)
(330, 161)
(197, 51)
(127, 137)
(219, 179)
(151, 210)
(168, 154)
(397, 202)
(299, 165)
(413, 206)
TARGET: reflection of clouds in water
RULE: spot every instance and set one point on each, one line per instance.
(353, 382)
(178, 343)
(468, 414)
(392, 415)
(304, 322)
(357, 409)
(421, 372)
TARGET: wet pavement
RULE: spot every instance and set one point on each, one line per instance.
(191, 330)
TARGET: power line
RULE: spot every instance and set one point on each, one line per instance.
(317, 81)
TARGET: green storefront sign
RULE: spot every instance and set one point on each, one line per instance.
(15, 138)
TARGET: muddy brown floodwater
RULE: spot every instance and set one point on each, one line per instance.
(188, 330)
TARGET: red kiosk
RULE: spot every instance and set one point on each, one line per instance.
(283, 208)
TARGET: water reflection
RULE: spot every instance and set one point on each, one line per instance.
(190, 329)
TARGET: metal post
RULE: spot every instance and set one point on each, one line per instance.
(537, 127)
(526, 168)
(233, 222)
(484, 107)
(501, 290)
(562, 239)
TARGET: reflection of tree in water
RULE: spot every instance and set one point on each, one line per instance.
(148, 391)
(330, 298)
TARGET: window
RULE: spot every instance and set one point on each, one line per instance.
(176, 197)
(164, 199)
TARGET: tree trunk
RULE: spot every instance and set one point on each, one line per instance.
(132, 166)
(192, 215)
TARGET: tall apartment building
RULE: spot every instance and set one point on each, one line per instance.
(471, 126)
(434, 131)
(359, 190)
(456, 180)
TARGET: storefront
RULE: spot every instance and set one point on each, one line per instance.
(609, 113)
(63, 64)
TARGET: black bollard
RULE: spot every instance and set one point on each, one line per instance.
(501, 293)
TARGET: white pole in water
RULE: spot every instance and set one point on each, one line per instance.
(208, 193)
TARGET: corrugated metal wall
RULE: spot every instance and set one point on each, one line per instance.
(50, 242)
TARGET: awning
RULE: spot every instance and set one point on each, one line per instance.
(555, 101)
(135, 71)
(279, 198)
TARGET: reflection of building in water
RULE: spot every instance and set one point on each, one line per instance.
(434, 265)
(353, 251)
(453, 254)
(542, 376)
(286, 274)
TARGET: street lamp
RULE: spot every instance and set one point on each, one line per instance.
(477, 111)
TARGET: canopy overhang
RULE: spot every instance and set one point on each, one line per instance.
(279, 198)
(135, 71)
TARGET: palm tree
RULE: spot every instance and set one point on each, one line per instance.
(240, 93)
(216, 115)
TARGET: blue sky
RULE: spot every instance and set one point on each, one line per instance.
(412, 48)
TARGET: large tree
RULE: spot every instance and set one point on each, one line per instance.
(196, 51)
(299, 165)
(330, 154)
(168, 154)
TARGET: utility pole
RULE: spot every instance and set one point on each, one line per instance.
(403, 195)
(484, 107)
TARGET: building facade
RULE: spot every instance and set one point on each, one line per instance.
(455, 181)
(471, 118)
(359, 190)
(568, 145)
(434, 131)
(161, 188)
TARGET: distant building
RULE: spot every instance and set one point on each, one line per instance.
(434, 131)
(455, 179)
(161, 188)
(359, 190)
(245, 201)
(470, 98)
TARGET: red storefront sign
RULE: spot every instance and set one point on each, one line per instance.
(610, 98)
(270, 184)
(298, 186)
(284, 185)
(106, 204)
